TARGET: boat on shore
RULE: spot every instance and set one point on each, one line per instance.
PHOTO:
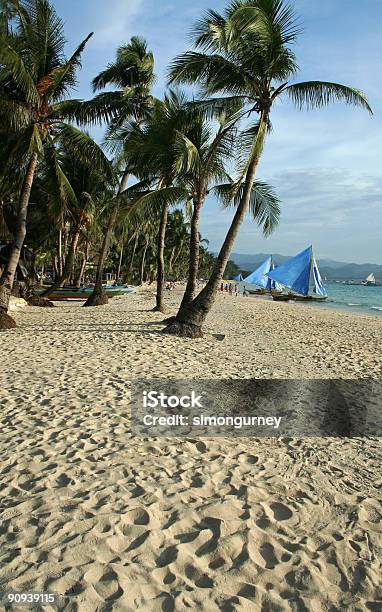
(266, 286)
(82, 293)
(301, 276)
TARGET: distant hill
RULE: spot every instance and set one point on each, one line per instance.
(333, 270)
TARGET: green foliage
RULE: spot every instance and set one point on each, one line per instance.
(177, 151)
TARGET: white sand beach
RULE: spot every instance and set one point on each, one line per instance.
(114, 522)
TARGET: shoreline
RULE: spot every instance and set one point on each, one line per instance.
(330, 305)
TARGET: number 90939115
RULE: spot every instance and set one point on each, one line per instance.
(27, 599)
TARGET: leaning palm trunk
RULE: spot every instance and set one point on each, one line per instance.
(8, 276)
(99, 296)
(190, 318)
(160, 307)
(193, 267)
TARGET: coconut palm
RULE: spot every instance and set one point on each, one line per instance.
(245, 56)
(202, 155)
(152, 155)
(35, 79)
(132, 73)
(89, 191)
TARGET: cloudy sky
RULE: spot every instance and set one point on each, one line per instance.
(325, 165)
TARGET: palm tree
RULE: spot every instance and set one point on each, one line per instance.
(152, 155)
(133, 73)
(88, 191)
(245, 56)
(202, 157)
(35, 78)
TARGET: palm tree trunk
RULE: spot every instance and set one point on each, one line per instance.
(193, 267)
(120, 263)
(55, 268)
(171, 260)
(133, 256)
(9, 272)
(69, 262)
(143, 262)
(79, 277)
(99, 297)
(190, 319)
(64, 245)
(160, 307)
(59, 252)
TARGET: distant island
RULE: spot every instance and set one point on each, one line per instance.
(330, 269)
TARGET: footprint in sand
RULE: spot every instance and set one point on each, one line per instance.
(169, 555)
(267, 551)
(281, 512)
(138, 516)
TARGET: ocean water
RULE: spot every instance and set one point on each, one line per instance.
(354, 297)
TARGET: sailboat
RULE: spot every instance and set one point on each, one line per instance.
(301, 276)
(238, 278)
(370, 281)
(259, 277)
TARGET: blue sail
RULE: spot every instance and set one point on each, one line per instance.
(238, 278)
(274, 286)
(295, 274)
(258, 277)
(318, 286)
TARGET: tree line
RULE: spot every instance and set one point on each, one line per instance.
(141, 193)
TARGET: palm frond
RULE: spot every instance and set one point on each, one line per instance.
(153, 200)
(214, 72)
(81, 146)
(12, 66)
(315, 94)
(187, 156)
(62, 78)
(264, 204)
(271, 20)
(55, 180)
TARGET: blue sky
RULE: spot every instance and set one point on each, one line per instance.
(325, 165)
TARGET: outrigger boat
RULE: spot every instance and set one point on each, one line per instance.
(259, 277)
(82, 293)
(302, 277)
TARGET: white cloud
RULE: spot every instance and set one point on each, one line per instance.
(115, 22)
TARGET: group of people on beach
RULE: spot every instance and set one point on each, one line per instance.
(232, 288)
(170, 286)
